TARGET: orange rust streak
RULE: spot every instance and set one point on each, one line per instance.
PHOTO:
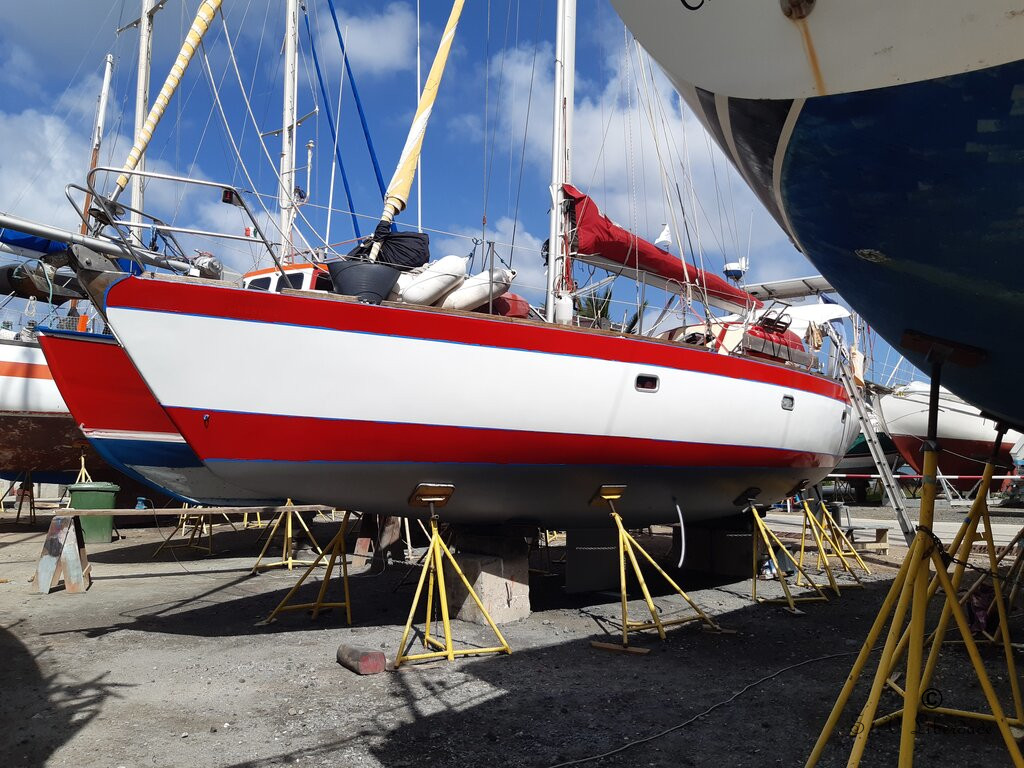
(25, 370)
(812, 56)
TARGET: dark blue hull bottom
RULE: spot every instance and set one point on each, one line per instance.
(910, 200)
(174, 469)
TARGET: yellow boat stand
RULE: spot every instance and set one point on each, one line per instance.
(628, 547)
(432, 496)
(910, 589)
(764, 535)
(287, 515)
(828, 537)
(335, 550)
(196, 525)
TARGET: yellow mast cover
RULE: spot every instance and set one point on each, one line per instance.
(207, 10)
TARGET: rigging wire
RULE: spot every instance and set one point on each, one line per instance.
(266, 152)
(330, 122)
(358, 101)
(489, 155)
(526, 133)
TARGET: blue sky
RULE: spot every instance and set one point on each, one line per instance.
(489, 136)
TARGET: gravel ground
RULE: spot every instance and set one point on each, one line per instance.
(161, 664)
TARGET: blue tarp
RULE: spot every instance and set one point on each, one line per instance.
(16, 239)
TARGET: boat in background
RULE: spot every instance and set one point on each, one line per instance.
(885, 140)
(40, 436)
(965, 435)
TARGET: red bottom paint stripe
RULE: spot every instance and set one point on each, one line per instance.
(218, 435)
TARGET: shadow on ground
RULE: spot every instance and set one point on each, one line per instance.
(41, 712)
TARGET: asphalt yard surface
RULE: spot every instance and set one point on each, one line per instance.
(162, 663)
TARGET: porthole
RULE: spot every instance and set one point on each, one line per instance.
(647, 383)
(787, 402)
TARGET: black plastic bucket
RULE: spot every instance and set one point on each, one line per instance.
(369, 281)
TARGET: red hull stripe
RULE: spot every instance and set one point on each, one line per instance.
(24, 370)
(258, 437)
(101, 387)
(259, 306)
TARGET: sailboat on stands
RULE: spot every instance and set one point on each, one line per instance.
(527, 419)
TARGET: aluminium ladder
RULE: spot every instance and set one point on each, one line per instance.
(892, 490)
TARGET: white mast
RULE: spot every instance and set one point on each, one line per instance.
(149, 9)
(287, 169)
(561, 151)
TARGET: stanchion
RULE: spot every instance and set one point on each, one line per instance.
(335, 550)
(910, 589)
(433, 496)
(628, 547)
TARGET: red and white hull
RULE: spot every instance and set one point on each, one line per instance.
(965, 436)
(324, 399)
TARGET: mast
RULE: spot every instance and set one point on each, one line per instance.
(285, 201)
(149, 9)
(561, 151)
(201, 23)
(97, 134)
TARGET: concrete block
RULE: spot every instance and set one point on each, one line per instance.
(502, 582)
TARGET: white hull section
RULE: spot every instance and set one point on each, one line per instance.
(26, 385)
(751, 50)
(905, 412)
(460, 385)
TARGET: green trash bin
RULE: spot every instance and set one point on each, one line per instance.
(96, 529)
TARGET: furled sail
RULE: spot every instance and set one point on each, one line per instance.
(601, 242)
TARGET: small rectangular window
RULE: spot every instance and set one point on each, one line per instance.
(787, 402)
(294, 281)
(259, 284)
(647, 383)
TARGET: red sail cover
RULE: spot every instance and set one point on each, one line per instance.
(597, 235)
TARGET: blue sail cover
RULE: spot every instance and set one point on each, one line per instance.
(16, 239)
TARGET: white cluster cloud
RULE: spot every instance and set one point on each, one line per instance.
(41, 155)
(618, 161)
(377, 42)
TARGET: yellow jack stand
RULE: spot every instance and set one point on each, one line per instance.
(911, 589)
(257, 522)
(197, 526)
(1012, 579)
(286, 515)
(763, 535)
(828, 537)
(628, 547)
(434, 495)
(336, 549)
